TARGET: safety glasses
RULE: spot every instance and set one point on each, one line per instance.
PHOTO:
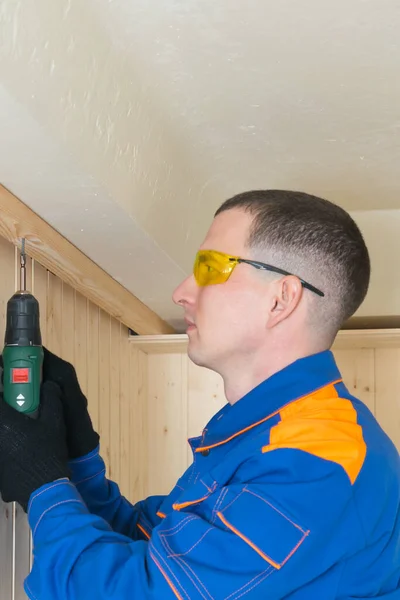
(212, 267)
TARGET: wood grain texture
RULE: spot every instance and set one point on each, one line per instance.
(9, 529)
(139, 438)
(167, 420)
(387, 374)
(358, 371)
(59, 256)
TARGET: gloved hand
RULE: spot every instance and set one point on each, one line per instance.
(33, 452)
(81, 437)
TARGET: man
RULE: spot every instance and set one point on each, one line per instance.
(294, 491)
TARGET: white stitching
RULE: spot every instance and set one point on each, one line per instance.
(51, 507)
(61, 482)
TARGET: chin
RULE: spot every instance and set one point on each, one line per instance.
(195, 354)
(199, 359)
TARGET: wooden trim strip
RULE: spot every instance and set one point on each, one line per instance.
(58, 255)
(346, 339)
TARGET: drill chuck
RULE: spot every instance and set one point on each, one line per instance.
(23, 321)
(23, 354)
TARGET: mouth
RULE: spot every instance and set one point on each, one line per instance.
(190, 326)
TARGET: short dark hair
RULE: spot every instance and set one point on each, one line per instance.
(317, 236)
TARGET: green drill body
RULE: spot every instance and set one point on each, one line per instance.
(23, 351)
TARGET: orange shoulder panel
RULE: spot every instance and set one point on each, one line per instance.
(324, 425)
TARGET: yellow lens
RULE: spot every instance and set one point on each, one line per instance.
(212, 267)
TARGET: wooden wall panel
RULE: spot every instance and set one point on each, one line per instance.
(81, 347)
(114, 400)
(358, 370)
(125, 404)
(8, 526)
(167, 419)
(139, 424)
(112, 374)
(93, 388)
(104, 387)
(387, 372)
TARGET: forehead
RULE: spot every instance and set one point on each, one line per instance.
(228, 232)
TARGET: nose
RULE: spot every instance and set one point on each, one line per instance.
(185, 293)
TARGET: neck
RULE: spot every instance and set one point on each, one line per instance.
(241, 378)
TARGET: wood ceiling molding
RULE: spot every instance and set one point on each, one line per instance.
(58, 255)
(345, 340)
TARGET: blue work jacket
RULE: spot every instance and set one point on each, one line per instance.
(294, 493)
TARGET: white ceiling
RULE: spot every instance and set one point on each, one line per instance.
(125, 124)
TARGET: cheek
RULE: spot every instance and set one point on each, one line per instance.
(232, 312)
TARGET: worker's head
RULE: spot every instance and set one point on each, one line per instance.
(243, 313)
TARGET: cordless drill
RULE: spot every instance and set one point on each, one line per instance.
(23, 351)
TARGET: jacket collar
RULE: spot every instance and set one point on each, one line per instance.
(299, 379)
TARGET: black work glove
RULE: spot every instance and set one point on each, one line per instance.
(33, 452)
(81, 437)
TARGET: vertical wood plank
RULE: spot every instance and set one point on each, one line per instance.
(54, 314)
(125, 400)
(6, 551)
(22, 545)
(9, 285)
(80, 342)
(114, 399)
(93, 363)
(21, 529)
(167, 421)
(139, 426)
(68, 323)
(40, 291)
(104, 387)
(358, 371)
(387, 369)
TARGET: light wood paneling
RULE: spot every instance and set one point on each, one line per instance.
(7, 551)
(40, 291)
(387, 372)
(139, 424)
(93, 340)
(114, 400)
(167, 419)
(81, 347)
(358, 371)
(104, 387)
(12, 531)
(124, 430)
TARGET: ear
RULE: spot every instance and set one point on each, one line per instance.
(287, 295)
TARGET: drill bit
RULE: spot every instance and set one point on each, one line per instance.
(22, 271)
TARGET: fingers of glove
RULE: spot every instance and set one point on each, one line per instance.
(63, 373)
(14, 423)
(51, 406)
(13, 426)
(9, 416)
